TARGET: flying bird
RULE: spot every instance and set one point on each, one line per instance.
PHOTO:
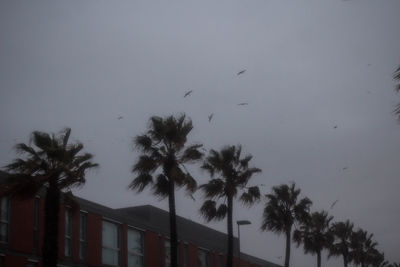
(188, 93)
(243, 104)
(120, 117)
(240, 72)
(334, 203)
(335, 127)
(345, 168)
(210, 117)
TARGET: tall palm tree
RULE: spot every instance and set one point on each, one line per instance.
(377, 259)
(229, 174)
(315, 234)
(162, 164)
(53, 163)
(284, 209)
(362, 247)
(397, 88)
(341, 232)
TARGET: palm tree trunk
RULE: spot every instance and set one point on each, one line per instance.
(50, 243)
(172, 224)
(345, 261)
(319, 258)
(229, 262)
(288, 239)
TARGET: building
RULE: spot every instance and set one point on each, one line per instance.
(95, 235)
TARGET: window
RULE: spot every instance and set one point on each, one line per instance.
(111, 244)
(135, 248)
(167, 253)
(202, 258)
(68, 233)
(4, 219)
(185, 255)
(83, 236)
(36, 225)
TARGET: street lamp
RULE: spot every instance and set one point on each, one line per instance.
(239, 223)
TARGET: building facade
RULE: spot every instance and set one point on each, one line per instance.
(94, 235)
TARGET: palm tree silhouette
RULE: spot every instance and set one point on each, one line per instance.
(362, 247)
(341, 232)
(283, 209)
(52, 163)
(315, 234)
(397, 88)
(232, 175)
(161, 165)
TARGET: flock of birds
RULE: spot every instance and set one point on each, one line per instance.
(210, 117)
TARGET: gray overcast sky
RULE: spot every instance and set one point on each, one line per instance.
(310, 65)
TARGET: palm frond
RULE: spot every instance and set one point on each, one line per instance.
(145, 164)
(141, 181)
(213, 189)
(161, 186)
(192, 154)
(251, 196)
(143, 143)
(67, 133)
(208, 210)
(42, 140)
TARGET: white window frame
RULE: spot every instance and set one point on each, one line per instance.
(207, 251)
(135, 253)
(69, 232)
(82, 241)
(119, 237)
(5, 221)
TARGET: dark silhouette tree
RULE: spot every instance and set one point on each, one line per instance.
(314, 234)
(397, 88)
(362, 247)
(162, 164)
(52, 163)
(283, 210)
(341, 232)
(230, 175)
(377, 259)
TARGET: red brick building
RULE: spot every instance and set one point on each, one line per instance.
(95, 235)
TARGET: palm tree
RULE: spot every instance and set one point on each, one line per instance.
(315, 234)
(377, 259)
(229, 174)
(362, 247)
(161, 165)
(53, 163)
(397, 88)
(283, 210)
(341, 232)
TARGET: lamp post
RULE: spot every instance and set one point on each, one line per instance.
(239, 223)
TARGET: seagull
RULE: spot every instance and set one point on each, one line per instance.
(210, 117)
(120, 117)
(334, 203)
(188, 93)
(243, 104)
(240, 72)
(335, 127)
(345, 168)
